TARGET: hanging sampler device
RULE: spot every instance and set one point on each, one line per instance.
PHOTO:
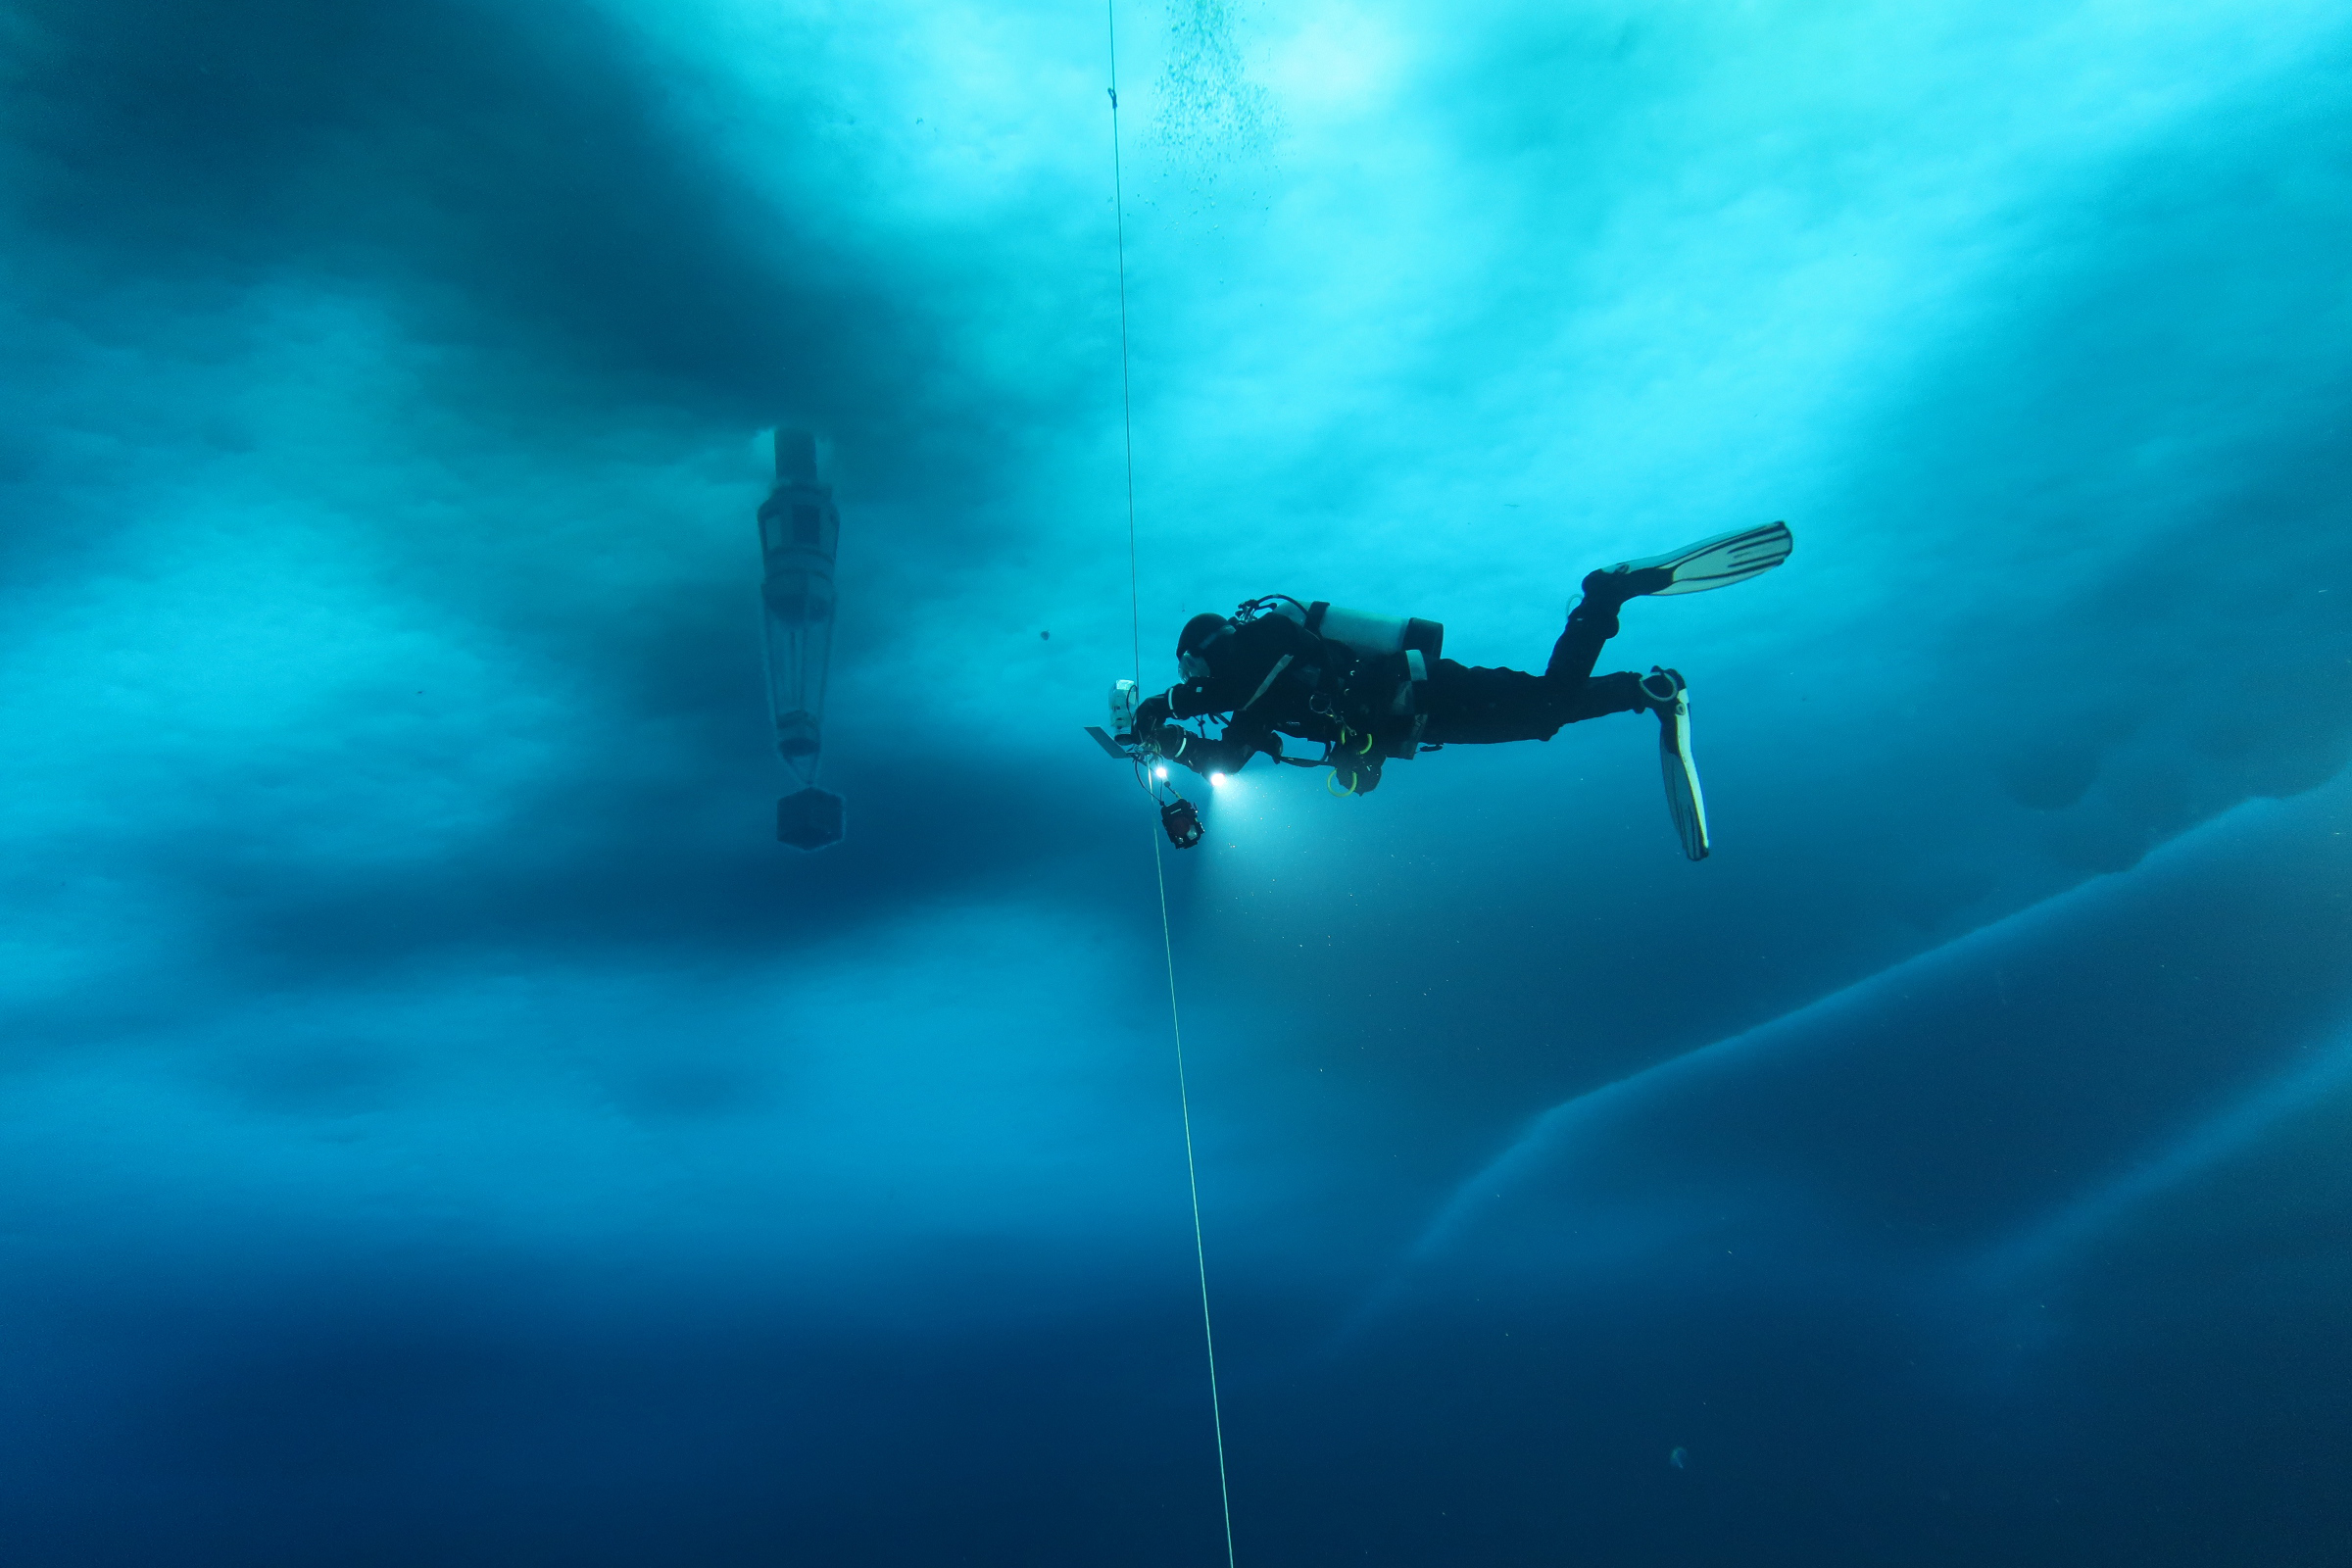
(799, 528)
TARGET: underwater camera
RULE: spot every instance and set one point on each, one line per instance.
(1183, 822)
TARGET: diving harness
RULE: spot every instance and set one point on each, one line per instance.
(1367, 691)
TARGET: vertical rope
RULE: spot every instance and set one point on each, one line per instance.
(1118, 207)
(1184, 1099)
(1167, 940)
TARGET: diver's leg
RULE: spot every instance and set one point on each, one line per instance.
(1480, 707)
(1620, 693)
(1593, 620)
(1579, 647)
(1476, 707)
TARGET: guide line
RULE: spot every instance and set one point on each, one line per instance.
(1167, 940)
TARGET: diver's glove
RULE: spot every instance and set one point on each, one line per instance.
(1149, 715)
(1170, 741)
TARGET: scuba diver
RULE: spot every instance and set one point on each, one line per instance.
(1373, 688)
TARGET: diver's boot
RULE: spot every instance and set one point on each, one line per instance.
(1665, 692)
(1610, 588)
(1592, 618)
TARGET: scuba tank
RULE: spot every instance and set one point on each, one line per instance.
(1368, 636)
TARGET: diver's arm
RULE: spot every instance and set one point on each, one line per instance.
(1203, 754)
(1154, 715)
(1195, 697)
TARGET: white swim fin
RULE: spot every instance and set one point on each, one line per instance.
(1686, 802)
(1720, 562)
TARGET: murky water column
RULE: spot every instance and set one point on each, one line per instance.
(799, 528)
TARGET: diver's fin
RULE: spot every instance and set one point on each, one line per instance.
(1686, 802)
(1720, 562)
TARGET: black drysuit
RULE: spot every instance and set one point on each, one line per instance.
(1312, 695)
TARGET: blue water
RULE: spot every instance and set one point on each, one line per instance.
(439, 1124)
